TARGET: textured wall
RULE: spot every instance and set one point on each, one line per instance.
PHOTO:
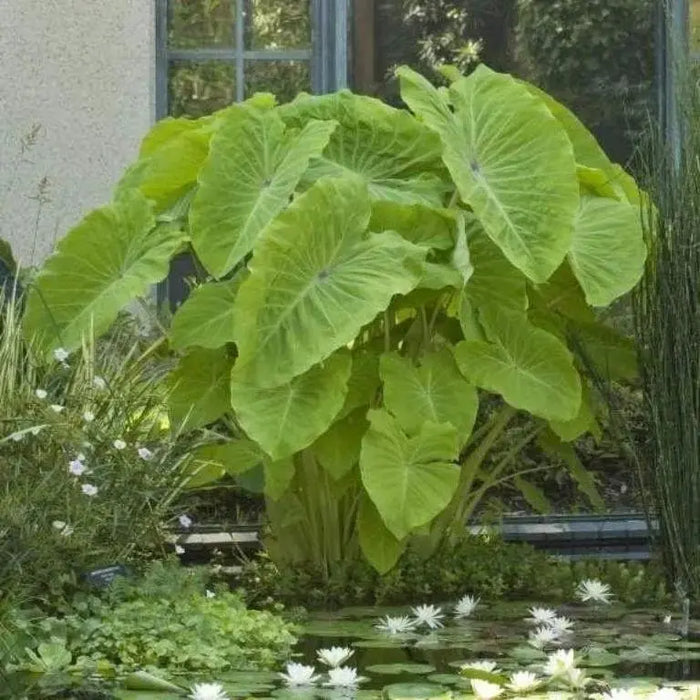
(81, 73)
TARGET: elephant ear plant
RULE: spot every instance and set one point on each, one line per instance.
(384, 293)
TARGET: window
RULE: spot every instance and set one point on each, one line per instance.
(215, 52)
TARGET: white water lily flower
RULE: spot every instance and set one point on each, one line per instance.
(41, 394)
(523, 682)
(396, 625)
(618, 694)
(144, 453)
(541, 616)
(486, 666)
(542, 637)
(576, 678)
(119, 444)
(88, 416)
(561, 625)
(485, 690)
(335, 656)
(466, 606)
(560, 663)
(185, 520)
(76, 467)
(99, 383)
(89, 489)
(429, 615)
(299, 674)
(666, 694)
(56, 407)
(593, 591)
(60, 354)
(344, 677)
(207, 691)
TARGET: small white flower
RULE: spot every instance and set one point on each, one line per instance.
(179, 549)
(429, 615)
(207, 592)
(485, 690)
(99, 383)
(664, 694)
(41, 394)
(561, 626)
(60, 355)
(119, 444)
(542, 636)
(88, 416)
(76, 467)
(396, 625)
(64, 528)
(335, 656)
(466, 606)
(144, 453)
(618, 694)
(185, 520)
(298, 674)
(57, 408)
(343, 677)
(89, 489)
(207, 691)
(541, 616)
(594, 591)
(35, 430)
(560, 663)
(523, 682)
(484, 665)
(667, 619)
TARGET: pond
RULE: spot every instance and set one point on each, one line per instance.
(615, 646)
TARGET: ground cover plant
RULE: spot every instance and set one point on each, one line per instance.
(383, 293)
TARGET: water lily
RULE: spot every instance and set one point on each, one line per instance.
(144, 453)
(543, 636)
(119, 444)
(429, 615)
(560, 663)
(618, 694)
(344, 677)
(299, 674)
(561, 626)
(541, 616)
(466, 606)
(185, 520)
(483, 665)
(576, 678)
(666, 694)
(60, 354)
(76, 467)
(523, 682)
(335, 656)
(593, 591)
(99, 383)
(88, 416)
(89, 489)
(41, 394)
(484, 690)
(208, 691)
(396, 625)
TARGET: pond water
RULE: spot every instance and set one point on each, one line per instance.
(615, 646)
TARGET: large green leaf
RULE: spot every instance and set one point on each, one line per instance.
(511, 160)
(562, 294)
(394, 154)
(364, 381)
(381, 549)
(611, 354)
(530, 368)
(435, 391)
(253, 168)
(410, 480)
(113, 256)
(199, 388)
(287, 418)
(316, 279)
(210, 462)
(607, 252)
(422, 225)
(338, 449)
(206, 318)
(278, 477)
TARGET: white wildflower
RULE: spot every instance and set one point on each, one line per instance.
(343, 677)
(41, 394)
(396, 625)
(335, 656)
(145, 454)
(185, 520)
(485, 690)
(64, 528)
(207, 592)
(119, 444)
(298, 674)
(179, 549)
(57, 408)
(594, 591)
(466, 605)
(76, 467)
(208, 691)
(429, 615)
(88, 416)
(99, 383)
(89, 489)
(60, 354)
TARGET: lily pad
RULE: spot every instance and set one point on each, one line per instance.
(447, 679)
(599, 656)
(526, 654)
(394, 642)
(415, 691)
(398, 668)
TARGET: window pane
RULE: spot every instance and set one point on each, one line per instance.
(278, 24)
(283, 78)
(595, 56)
(197, 89)
(201, 23)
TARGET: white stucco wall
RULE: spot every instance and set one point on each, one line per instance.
(82, 72)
